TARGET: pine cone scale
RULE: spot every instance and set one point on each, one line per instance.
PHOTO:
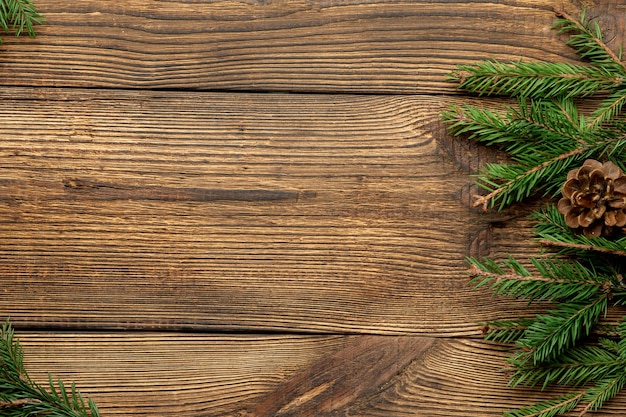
(620, 185)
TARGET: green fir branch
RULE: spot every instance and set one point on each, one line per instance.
(505, 331)
(511, 183)
(19, 15)
(547, 79)
(544, 127)
(587, 40)
(546, 135)
(609, 108)
(552, 231)
(557, 280)
(549, 408)
(545, 139)
(21, 397)
(602, 391)
(534, 79)
(575, 367)
(561, 328)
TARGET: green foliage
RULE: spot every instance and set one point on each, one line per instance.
(506, 331)
(552, 333)
(534, 79)
(546, 136)
(21, 397)
(574, 367)
(19, 15)
(551, 228)
(557, 280)
(549, 408)
(586, 39)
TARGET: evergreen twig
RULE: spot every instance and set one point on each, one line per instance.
(19, 15)
(20, 396)
(552, 231)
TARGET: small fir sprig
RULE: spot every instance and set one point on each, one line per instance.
(551, 143)
(18, 16)
(21, 397)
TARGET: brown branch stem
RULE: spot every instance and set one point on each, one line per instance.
(600, 42)
(474, 271)
(582, 246)
(485, 199)
(556, 406)
(18, 403)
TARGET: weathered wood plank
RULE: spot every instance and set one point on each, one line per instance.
(320, 46)
(160, 374)
(235, 211)
(235, 375)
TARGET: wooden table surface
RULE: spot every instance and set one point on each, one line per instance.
(252, 208)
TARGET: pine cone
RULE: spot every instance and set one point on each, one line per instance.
(594, 199)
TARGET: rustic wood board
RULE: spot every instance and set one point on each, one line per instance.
(174, 374)
(287, 45)
(156, 374)
(236, 211)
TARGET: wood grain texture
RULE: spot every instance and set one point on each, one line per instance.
(457, 377)
(158, 374)
(337, 380)
(234, 211)
(320, 46)
(313, 243)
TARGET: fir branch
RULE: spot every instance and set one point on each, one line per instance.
(19, 15)
(544, 142)
(519, 180)
(603, 391)
(587, 41)
(15, 403)
(582, 247)
(25, 398)
(548, 408)
(544, 138)
(561, 328)
(543, 127)
(552, 333)
(575, 367)
(534, 79)
(505, 331)
(609, 108)
(558, 280)
(552, 231)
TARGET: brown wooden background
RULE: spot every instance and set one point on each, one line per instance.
(251, 208)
